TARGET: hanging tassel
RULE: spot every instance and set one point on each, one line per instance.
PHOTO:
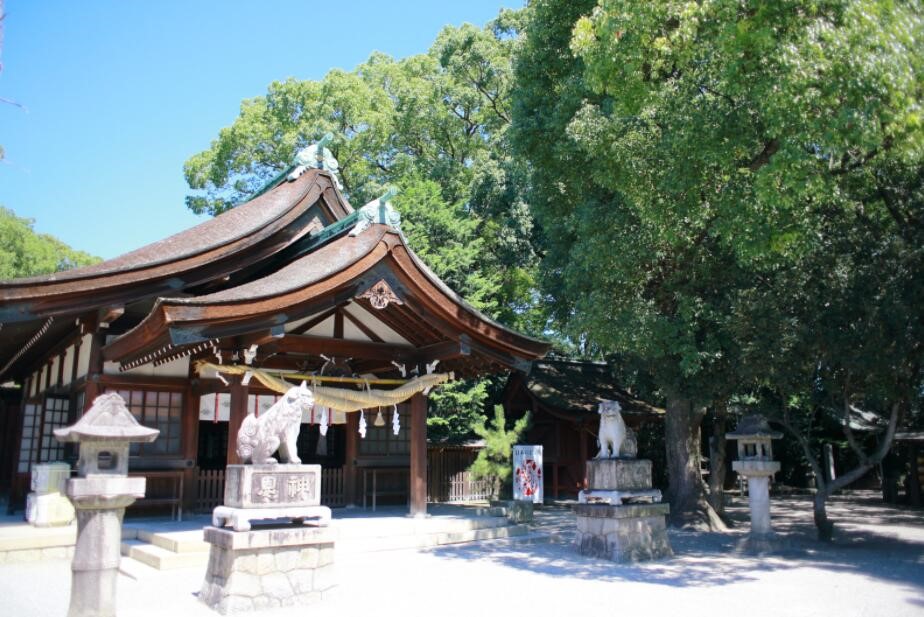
(323, 418)
(395, 421)
(362, 423)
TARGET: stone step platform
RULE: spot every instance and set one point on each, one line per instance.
(158, 547)
(160, 558)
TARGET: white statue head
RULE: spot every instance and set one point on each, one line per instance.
(300, 396)
(609, 408)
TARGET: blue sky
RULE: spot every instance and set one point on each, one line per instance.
(118, 94)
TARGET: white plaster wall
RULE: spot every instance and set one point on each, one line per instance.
(370, 321)
(325, 328)
(83, 360)
(68, 365)
(55, 365)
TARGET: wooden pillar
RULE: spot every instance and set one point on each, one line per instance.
(237, 415)
(914, 477)
(558, 457)
(190, 440)
(418, 480)
(94, 370)
(583, 441)
(351, 452)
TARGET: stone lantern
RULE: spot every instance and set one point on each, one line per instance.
(100, 494)
(755, 462)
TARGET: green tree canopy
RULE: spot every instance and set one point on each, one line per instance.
(23, 252)
(699, 157)
(435, 126)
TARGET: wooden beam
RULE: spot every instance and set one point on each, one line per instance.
(362, 327)
(338, 323)
(308, 325)
(142, 381)
(317, 345)
(418, 479)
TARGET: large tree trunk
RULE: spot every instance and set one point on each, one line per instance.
(717, 456)
(686, 490)
(824, 526)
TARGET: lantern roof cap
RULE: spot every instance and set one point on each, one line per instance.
(107, 420)
(754, 425)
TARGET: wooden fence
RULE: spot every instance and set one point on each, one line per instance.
(210, 488)
(448, 478)
(462, 487)
(332, 493)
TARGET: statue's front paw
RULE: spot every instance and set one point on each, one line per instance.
(296, 461)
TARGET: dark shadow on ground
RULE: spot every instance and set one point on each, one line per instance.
(873, 540)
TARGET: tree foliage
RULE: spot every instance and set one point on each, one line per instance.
(23, 252)
(494, 460)
(435, 126)
(724, 180)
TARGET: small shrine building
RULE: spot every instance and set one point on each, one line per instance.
(194, 330)
(563, 396)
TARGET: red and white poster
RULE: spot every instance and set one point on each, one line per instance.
(527, 473)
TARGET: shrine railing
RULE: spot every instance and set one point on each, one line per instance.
(210, 489)
(332, 492)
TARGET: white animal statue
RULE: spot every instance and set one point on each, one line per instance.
(612, 429)
(276, 428)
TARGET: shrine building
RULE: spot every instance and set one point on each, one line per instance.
(195, 330)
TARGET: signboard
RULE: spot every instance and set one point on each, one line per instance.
(527, 473)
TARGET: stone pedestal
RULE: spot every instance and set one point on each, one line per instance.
(264, 492)
(622, 532)
(758, 474)
(266, 568)
(617, 480)
(100, 496)
(46, 505)
(95, 566)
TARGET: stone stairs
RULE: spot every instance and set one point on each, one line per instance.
(168, 550)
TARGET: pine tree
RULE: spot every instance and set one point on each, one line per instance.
(494, 460)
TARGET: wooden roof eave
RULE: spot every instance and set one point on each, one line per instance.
(204, 318)
(69, 292)
(190, 322)
(441, 300)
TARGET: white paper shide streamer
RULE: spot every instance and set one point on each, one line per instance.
(323, 418)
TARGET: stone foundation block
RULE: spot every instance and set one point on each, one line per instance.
(49, 510)
(623, 533)
(517, 510)
(613, 474)
(268, 568)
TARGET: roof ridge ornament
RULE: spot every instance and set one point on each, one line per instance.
(316, 156)
(378, 211)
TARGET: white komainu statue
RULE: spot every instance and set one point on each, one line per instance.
(612, 429)
(276, 428)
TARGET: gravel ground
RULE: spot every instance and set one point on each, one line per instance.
(875, 567)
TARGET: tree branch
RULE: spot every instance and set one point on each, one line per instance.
(806, 449)
(857, 472)
(848, 432)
